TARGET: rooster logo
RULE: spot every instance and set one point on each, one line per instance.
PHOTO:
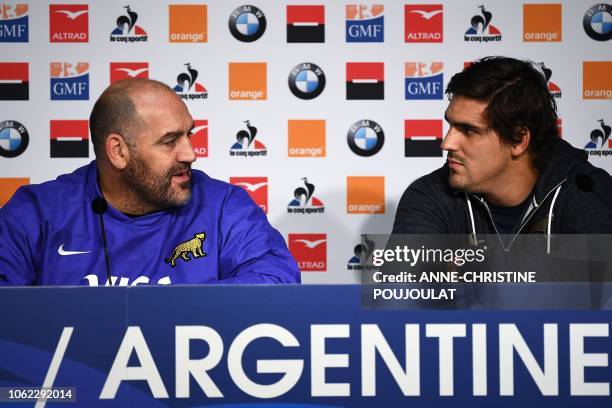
(187, 87)
(303, 195)
(362, 251)
(480, 24)
(129, 20)
(304, 201)
(599, 137)
(126, 24)
(185, 80)
(245, 140)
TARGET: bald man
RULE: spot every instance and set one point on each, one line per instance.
(159, 221)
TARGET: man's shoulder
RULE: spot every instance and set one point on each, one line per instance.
(582, 179)
(230, 203)
(211, 191)
(429, 206)
(431, 191)
(434, 184)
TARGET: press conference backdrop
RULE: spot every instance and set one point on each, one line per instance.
(323, 110)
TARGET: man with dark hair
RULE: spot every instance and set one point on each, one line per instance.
(507, 171)
(161, 221)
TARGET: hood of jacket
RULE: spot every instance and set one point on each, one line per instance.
(564, 162)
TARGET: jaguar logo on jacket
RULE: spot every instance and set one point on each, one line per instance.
(192, 246)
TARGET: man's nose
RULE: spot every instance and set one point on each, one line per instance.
(450, 140)
(185, 153)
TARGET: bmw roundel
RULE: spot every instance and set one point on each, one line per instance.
(14, 138)
(365, 138)
(597, 22)
(247, 23)
(306, 80)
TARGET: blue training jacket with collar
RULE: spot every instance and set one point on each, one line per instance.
(49, 235)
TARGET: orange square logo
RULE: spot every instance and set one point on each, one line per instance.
(8, 186)
(306, 138)
(542, 22)
(596, 80)
(247, 81)
(365, 195)
(188, 23)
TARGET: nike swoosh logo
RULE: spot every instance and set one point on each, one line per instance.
(62, 252)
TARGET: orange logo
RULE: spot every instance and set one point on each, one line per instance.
(8, 186)
(365, 195)
(306, 138)
(188, 23)
(596, 80)
(247, 81)
(542, 22)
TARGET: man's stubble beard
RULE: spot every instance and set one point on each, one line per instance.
(151, 190)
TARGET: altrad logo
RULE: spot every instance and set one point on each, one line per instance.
(199, 137)
(126, 70)
(423, 22)
(256, 188)
(69, 22)
(309, 251)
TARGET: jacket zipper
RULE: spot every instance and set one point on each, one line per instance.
(525, 221)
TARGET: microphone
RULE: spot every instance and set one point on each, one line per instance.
(99, 206)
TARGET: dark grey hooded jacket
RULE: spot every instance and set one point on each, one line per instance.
(571, 196)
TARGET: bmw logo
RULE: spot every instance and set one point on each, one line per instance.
(306, 80)
(247, 23)
(365, 138)
(14, 138)
(597, 22)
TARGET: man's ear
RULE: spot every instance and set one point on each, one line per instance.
(117, 151)
(523, 135)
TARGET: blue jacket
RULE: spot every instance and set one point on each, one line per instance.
(49, 235)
